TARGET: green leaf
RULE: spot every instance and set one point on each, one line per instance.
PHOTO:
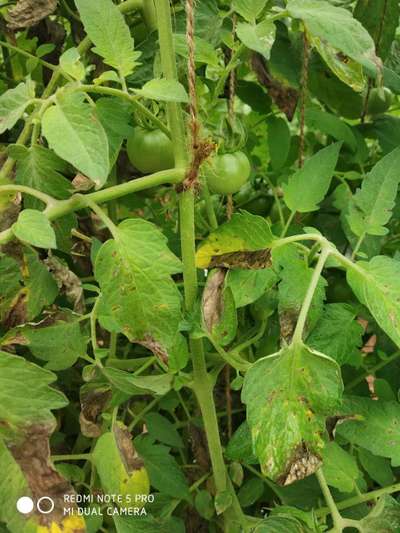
(258, 37)
(309, 185)
(25, 395)
(243, 242)
(135, 385)
(164, 90)
(249, 285)
(288, 396)
(373, 203)
(148, 524)
(218, 308)
(340, 468)
(384, 517)
(71, 64)
(377, 285)
(378, 468)
(376, 427)
(240, 447)
(204, 51)
(107, 29)
(338, 28)
(278, 524)
(165, 474)
(139, 297)
(10, 283)
(161, 429)
(57, 339)
(279, 140)
(251, 491)
(330, 125)
(33, 227)
(114, 115)
(249, 9)
(343, 348)
(40, 286)
(13, 104)
(380, 18)
(75, 133)
(40, 168)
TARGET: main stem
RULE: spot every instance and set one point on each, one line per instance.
(202, 384)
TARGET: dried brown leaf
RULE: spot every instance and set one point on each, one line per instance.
(27, 13)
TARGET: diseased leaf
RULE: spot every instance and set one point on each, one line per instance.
(57, 339)
(374, 201)
(309, 185)
(218, 308)
(288, 396)
(120, 469)
(139, 297)
(33, 227)
(26, 397)
(10, 283)
(27, 13)
(164, 90)
(340, 468)
(337, 27)
(107, 29)
(13, 104)
(243, 242)
(377, 285)
(75, 133)
(94, 399)
(345, 347)
(384, 517)
(376, 427)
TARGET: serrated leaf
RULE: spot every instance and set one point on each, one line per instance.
(249, 9)
(258, 37)
(218, 308)
(374, 201)
(33, 227)
(380, 18)
(164, 90)
(249, 285)
(288, 396)
(163, 430)
(107, 29)
(71, 64)
(330, 125)
(139, 297)
(164, 472)
(41, 169)
(376, 427)
(75, 133)
(204, 51)
(120, 469)
(377, 285)
(242, 242)
(309, 185)
(337, 27)
(25, 395)
(57, 339)
(343, 348)
(339, 467)
(13, 104)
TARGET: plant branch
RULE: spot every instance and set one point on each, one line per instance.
(48, 200)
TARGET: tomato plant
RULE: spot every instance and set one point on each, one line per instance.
(199, 266)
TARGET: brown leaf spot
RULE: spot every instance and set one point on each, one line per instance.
(250, 260)
(302, 464)
(212, 301)
(127, 452)
(67, 282)
(93, 402)
(27, 13)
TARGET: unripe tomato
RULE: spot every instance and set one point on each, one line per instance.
(378, 103)
(227, 173)
(150, 150)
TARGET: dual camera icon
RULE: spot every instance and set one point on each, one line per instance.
(44, 505)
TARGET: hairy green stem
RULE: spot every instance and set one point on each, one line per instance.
(72, 457)
(333, 510)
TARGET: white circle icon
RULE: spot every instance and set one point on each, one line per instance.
(47, 503)
(25, 505)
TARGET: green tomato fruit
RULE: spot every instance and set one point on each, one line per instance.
(377, 103)
(228, 172)
(150, 150)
